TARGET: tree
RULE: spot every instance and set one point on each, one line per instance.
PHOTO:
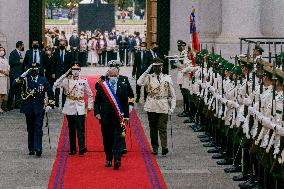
(51, 4)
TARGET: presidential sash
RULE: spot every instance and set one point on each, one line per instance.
(109, 91)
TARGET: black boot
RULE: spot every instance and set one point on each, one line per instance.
(233, 169)
(241, 177)
(250, 183)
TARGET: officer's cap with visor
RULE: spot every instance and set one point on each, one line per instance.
(34, 66)
(76, 66)
(158, 62)
(181, 43)
(143, 44)
(258, 48)
(114, 64)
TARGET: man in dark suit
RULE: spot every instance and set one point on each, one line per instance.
(62, 63)
(16, 63)
(111, 128)
(74, 42)
(151, 55)
(33, 55)
(140, 58)
(34, 88)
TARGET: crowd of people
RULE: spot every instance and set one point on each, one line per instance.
(98, 47)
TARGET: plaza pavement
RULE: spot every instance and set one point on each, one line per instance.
(188, 165)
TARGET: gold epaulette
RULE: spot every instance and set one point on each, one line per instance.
(18, 80)
(100, 81)
(51, 102)
(131, 100)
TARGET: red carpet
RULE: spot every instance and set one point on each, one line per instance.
(139, 167)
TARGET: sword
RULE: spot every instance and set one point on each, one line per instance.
(171, 132)
(47, 125)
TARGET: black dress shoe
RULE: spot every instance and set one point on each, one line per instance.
(155, 152)
(31, 153)
(117, 164)
(83, 151)
(213, 150)
(226, 161)
(202, 136)
(124, 151)
(199, 129)
(165, 151)
(72, 153)
(250, 183)
(108, 164)
(233, 169)
(9, 108)
(218, 156)
(205, 139)
(209, 145)
(241, 177)
(38, 153)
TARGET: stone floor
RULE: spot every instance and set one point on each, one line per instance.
(188, 165)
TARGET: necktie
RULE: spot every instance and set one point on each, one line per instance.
(61, 57)
(142, 55)
(35, 56)
(20, 55)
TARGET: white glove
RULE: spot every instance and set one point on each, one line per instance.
(252, 110)
(149, 69)
(171, 111)
(48, 108)
(247, 101)
(130, 108)
(25, 73)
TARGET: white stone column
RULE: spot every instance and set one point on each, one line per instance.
(14, 22)
(240, 18)
(272, 14)
(208, 20)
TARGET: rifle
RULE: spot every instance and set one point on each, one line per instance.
(247, 92)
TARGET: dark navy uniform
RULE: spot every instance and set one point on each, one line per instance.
(33, 106)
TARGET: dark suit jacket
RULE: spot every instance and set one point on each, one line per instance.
(131, 44)
(49, 66)
(16, 67)
(59, 68)
(148, 60)
(138, 66)
(74, 42)
(29, 59)
(124, 91)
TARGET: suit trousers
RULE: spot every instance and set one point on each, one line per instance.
(34, 127)
(14, 92)
(158, 124)
(138, 92)
(112, 140)
(76, 124)
(57, 94)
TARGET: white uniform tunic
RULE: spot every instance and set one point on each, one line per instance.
(161, 94)
(74, 90)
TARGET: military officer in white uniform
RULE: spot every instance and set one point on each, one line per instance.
(75, 108)
(161, 102)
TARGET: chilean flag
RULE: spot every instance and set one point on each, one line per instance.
(193, 32)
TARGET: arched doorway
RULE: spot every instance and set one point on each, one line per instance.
(158, 22)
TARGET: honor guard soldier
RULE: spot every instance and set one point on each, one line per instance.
(34, 88)
(74, 108)
(161, 102)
